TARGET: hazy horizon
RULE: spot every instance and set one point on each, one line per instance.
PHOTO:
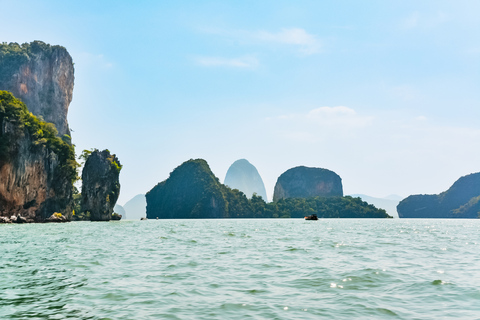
(386, 94)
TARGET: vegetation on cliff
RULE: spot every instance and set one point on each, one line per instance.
(461, 200)
(13, 55)
(193, 191)
(43, 134)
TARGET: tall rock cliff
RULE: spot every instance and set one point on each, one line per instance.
(37, 168)
(42, 77)
(242, 175)
(191, 191)
(305, 182)
(461, 200)
(100, 185)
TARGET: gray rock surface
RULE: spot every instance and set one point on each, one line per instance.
(100, 185)
(305, 182)
(42, 76)
(242, 175)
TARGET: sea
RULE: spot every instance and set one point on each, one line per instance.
(241, 269)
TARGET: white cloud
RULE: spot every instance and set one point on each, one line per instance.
(247, 62)
(306, 43)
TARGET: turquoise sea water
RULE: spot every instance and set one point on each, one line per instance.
(241, 269)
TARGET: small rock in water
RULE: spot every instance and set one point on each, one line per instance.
(56, 217)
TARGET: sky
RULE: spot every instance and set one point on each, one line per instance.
(384, 93)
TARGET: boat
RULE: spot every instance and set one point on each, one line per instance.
(312, 217)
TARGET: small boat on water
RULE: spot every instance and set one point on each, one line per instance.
(312, 217)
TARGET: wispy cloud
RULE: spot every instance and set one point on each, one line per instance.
(426, 21)
(297, 39)
(306, 43)
(320, 123)
(246, 62)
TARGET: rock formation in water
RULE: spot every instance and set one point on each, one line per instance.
(462, 200)
(42, 77)
(37, 168)
(305, 182)
(136, 207)
(242, 175)
(100, 185)
(191, 191)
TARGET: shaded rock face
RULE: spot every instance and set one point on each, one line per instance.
(42, 76)
(242, 175)
(32, 183)
(191, 191)
(305, 182)
(461, 200)
(100, 185)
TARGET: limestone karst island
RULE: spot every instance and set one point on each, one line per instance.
(39, 167)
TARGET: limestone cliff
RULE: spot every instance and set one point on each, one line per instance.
(305, 182)
(37, 169)
(242, 175)
(42, 77)
(461, 200)
(100, 185)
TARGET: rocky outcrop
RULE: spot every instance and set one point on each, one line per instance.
(42, 76)
(242, 175)
(191, 191)
(37, 169)
(461, 200)
(100, 185)
(305, 182)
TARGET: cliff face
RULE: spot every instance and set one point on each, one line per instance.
(304, 182)
(461, 200)
(242, 175)
(191, 191)
(100, 185)
(37, 169)
(42, 76)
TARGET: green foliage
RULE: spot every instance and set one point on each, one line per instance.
(114, 163)
(43, 134)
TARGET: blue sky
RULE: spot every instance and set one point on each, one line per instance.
(385, 93)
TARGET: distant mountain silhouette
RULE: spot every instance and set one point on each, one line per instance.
(136, 207)
(389, 203)
(242, 175)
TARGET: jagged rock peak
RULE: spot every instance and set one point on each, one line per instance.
(40, 75)
(100, 184)
(242, 175)
(305, 182)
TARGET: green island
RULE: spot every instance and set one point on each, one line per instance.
(193, 191)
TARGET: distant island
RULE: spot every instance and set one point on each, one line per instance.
(193, 191)
(461, 200)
